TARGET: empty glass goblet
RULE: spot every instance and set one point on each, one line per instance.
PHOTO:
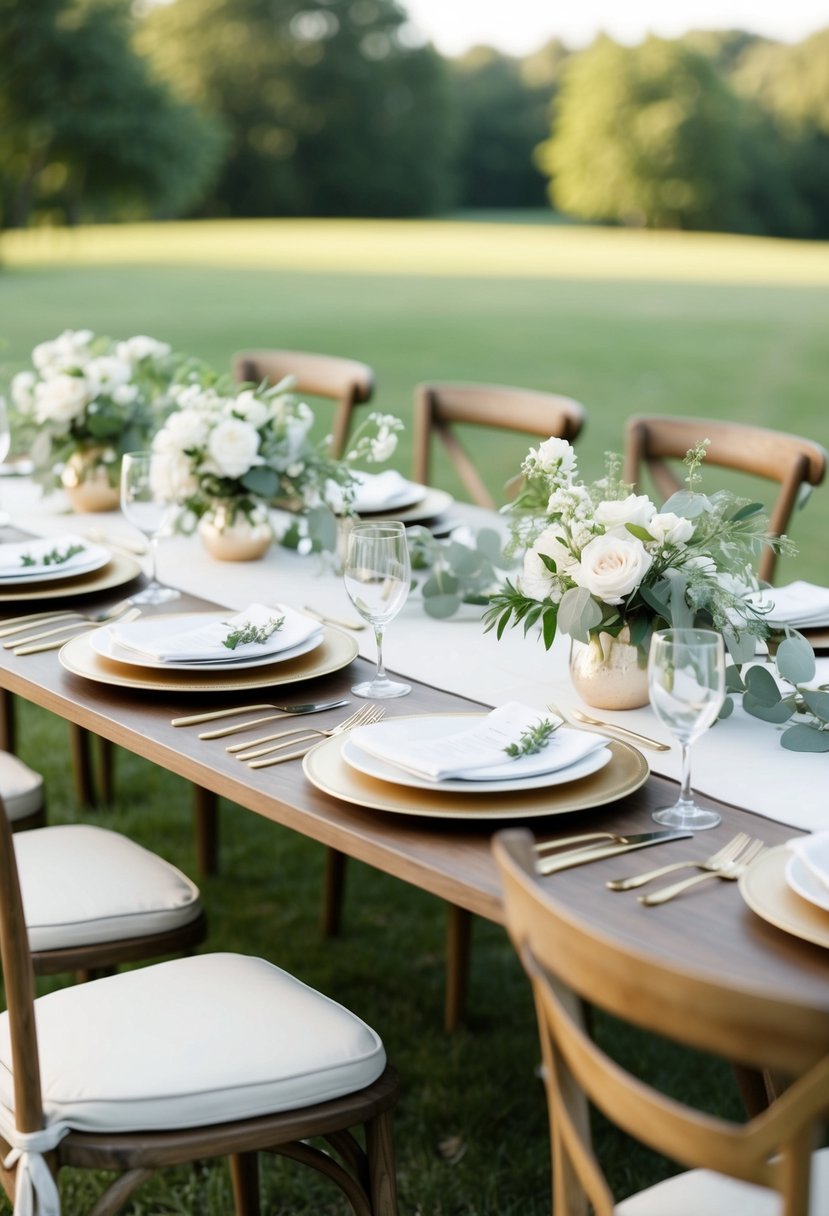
(146, 507)
(377, 575)
(686, 685)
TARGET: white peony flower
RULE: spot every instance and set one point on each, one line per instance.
(183, 431)
(60, 399)
(635, 509)
(536, 580)
(23, 390)
(612, 566)
(69, 352)
(555, 454)
(251, 408)
(140, 347)
(233, 446)
(670, 529)
(105, 374)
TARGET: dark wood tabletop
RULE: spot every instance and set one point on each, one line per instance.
(710, 930)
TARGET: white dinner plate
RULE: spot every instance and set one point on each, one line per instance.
(407, 494)
(105, 645)
(434, 503)
(96, 557)
(806, 884)
(525, 773)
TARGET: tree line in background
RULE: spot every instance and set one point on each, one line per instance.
(332, 107)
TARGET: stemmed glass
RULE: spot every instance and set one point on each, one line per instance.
(686, 685)
(147, 509)
(377, 576)
(5, 447)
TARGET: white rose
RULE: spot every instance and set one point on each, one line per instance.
(612, 566)
(555, 454)
(635, 509)
(183, 431)
(23, 390)
(251, 408)
(233, 445)
(140, 347)
(106, 373)
(670, 529)
(44, 355)
(171, 476)
(125, 394)
(536, 580)
(61, 398)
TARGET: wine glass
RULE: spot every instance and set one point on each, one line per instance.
(686, 685)
(377, 576)
(145, 506)
(5, 447)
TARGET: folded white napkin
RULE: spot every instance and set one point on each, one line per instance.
(813, 851)
(48, 553)
(204, 640)
(384, 491)
(476, 752)
(798, 604)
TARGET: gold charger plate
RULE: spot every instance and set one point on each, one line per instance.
(764, 888)
(121, 569)
(337, 650)
(325, 768)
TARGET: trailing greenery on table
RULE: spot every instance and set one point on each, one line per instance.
(466, 568)
(799, 705)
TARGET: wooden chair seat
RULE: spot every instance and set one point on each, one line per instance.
(652, 442)
(440, 408)
(762, 1167)
(197, 1057)
(345, 382)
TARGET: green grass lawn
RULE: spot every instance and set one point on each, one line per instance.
(624, 322)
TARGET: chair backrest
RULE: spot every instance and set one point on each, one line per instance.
(346, 382)
(651, 441)
(438, 407)
(18, 976)
(570, 963)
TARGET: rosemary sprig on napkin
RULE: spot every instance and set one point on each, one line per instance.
(253, 633)
(53, 558)
(533, 739)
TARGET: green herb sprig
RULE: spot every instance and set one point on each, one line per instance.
(253, 633)
(533, 739)
(53, 558)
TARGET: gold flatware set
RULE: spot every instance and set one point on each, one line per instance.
(52, 629)
(575, 717)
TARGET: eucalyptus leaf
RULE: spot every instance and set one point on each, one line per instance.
(656, 599)
(578, 613)
(733, 680)
(817, 701)
(322, 527)
(261, 480)
(745, 512)
(762, 686)
(796, 660)
(441, 583)
(726, 710)
(779, 712)
(687, 504)
(741, 646)
(489, 544)
(801, 738)
(441, 606)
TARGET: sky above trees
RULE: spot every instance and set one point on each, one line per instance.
(521, 26)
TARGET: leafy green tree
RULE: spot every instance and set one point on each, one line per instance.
(85, 130)
(645, 135)
(329, 108)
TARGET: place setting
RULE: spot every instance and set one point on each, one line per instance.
(60, 566)
(262, 646)
(799, 605)
(389, 495)
(789, 887)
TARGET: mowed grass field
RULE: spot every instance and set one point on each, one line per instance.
(624, 322)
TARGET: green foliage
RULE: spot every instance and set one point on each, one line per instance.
(85, 129)
(462, 571)
(764, 698)
(534, 739)
(328, 109)
(644, 135)
(249, 632)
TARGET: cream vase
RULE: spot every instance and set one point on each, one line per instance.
(86, 483)
(235, 538)
(608, 673)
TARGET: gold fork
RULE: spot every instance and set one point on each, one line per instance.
(730, 870)
(242, 751)
(57, 643)
(727, 853)
(376, 713)
(608, 728)
(77, 620)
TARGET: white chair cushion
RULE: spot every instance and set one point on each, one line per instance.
(704, 1193)
(20, 787)
(83, 884)
(190, 1042)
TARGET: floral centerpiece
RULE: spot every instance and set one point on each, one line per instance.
(86, 401)
(225, 456)
(608, 567)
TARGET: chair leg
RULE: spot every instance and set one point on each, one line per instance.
(106, 768)
(382, 1180)
(333, 892)
(244, 1177)
(7, 724)
(79, 741)
(206, 819)
(458, 937)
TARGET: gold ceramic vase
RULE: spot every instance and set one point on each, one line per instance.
(608, 672)
(86, 482)
(231, 536)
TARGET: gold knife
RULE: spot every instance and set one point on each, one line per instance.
(578, 857)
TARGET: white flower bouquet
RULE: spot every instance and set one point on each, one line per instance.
(90, 397)
(251, 447)
(599, 559)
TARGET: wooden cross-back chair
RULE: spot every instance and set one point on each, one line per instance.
(757, 1168)
(652, 441)
(215, 1055)
(346, 382)
(440, 408)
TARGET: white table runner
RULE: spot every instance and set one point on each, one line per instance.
(739, 760)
